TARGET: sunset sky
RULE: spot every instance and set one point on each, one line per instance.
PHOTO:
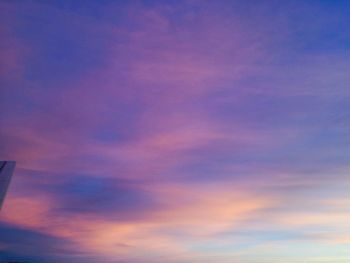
(182, 131)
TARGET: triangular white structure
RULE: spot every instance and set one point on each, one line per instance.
(6, 171)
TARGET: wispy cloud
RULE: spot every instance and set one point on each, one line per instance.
(187, 131)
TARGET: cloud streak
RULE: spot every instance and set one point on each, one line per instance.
(186, 131)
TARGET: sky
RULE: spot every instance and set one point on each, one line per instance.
(185, 131)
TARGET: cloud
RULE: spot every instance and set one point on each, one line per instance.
(22, 244)
(179, 132)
